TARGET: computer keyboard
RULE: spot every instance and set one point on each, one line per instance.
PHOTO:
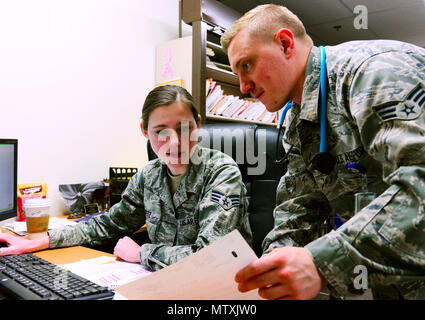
(29, 277)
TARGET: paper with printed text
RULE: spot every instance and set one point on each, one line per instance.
(205, 275)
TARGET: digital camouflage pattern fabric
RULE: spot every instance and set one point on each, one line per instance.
(209, 203)
(375, 119)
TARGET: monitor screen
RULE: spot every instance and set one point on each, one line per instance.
(8, 178)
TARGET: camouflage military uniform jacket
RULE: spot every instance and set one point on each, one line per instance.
(209, 203)
(375, 119)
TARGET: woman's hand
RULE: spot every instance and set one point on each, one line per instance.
(19, 245)
(127, 250)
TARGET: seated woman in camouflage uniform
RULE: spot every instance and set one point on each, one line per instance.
(188, 197)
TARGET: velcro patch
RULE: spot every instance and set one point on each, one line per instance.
(226, 202)
(408, 109)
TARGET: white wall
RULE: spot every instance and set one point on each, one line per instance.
(73, 78)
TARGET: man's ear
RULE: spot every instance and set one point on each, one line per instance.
(285, 38)
(145, 133)
(199, 121)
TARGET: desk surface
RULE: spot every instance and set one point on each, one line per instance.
(66, 255)
(69, 255)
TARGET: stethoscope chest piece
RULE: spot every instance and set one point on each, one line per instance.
(323, 162)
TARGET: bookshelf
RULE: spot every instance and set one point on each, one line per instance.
(199, 57)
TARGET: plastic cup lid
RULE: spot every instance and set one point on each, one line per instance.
(30, 203)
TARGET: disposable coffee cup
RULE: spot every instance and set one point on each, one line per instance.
(37, 217)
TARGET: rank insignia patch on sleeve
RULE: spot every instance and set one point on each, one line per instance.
(226, 202)
(408, 109)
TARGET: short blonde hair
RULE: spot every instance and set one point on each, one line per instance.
(263, 22)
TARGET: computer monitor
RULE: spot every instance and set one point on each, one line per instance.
(8, 178)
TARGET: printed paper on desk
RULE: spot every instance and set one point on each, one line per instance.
(20, 227)
(208, 274)
(107, 271)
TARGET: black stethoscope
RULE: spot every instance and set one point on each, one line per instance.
(323, 161)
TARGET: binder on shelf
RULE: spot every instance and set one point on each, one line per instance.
(239, 109)
(246, 106)
(262, 115)
(255, 112)
(219, 103)
(248, 110)
(229, 111)
(233, 107)
(213, 98)
(209, 86)
(228, 101)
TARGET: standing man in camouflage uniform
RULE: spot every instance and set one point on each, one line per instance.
(188, 197)
(375, 123)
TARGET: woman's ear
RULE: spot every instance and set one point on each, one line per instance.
(145, 133)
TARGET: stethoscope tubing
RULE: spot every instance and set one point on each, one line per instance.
(323, 78)
(322, 158)
(322, 155)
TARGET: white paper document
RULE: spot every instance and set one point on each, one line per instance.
(20, 227)
(107, 271)
(205, 275)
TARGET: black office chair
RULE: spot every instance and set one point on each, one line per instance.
(243, 142)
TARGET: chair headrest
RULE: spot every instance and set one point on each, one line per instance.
(252, 146)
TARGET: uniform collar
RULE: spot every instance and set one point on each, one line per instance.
(310, 98)
(188, 184)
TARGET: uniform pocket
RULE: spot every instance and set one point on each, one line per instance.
(298, 184)
(188, 229)
(191, 204)
(404, 228)
(188, 220)
(166, 230)
(351, 182)
(153, 218)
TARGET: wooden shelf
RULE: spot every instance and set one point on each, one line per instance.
(215, 46)
(206, 17)
(222, 75)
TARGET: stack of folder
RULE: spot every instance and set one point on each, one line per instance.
(220, 104)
